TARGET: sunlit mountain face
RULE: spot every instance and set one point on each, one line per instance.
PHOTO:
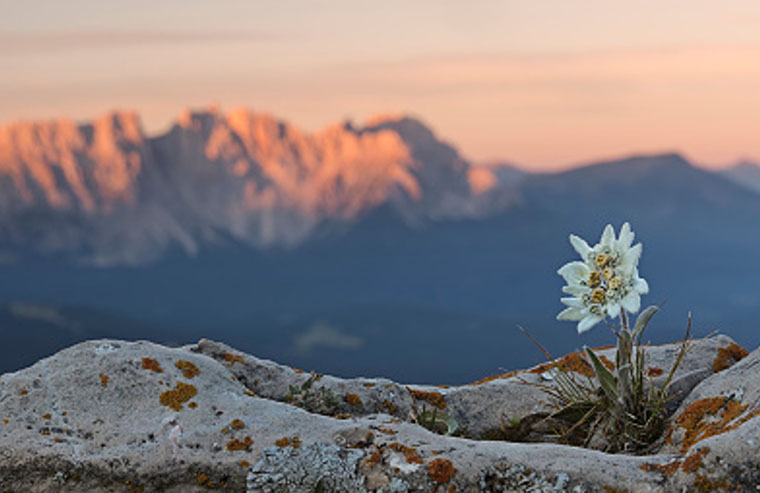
(359, 249)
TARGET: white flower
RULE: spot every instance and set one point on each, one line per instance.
(605, 281)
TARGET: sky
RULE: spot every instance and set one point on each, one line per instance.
(544, 85)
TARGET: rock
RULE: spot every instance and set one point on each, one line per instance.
(127, 416)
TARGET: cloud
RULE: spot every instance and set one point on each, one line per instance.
(322, 335)
(23, 42)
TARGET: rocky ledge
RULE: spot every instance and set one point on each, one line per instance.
(111, 415)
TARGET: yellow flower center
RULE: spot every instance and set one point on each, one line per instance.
(602, 260)
(615, 283)
(594, 279)
(608, 274)
(598, 296)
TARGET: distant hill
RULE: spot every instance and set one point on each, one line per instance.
(744, 173)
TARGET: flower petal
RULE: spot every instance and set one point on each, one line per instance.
(608, 236)
(631, 302)
(626, 237)
(640, 285)
(575, 289)
(574, 271)
(574, 302)
(572, 314)
(631, 257)
(580, 246)
(613, 310)
(588, 322)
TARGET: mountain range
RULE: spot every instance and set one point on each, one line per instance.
(374, 249)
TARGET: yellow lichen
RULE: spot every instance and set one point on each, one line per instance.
(236, 444)
(188, 369)
(293, 441)
(175, 398)
(152, 365)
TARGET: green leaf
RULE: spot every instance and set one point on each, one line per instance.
(606, 379)
(642, 321)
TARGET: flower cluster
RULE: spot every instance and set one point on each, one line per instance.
(605, 281)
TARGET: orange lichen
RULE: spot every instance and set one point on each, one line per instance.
(192, 405)
(46, 416)
(694, 461)
(236, 444)
(654, 371)
(23, 392)
(391, 407)
(374, 458)
(700, 420)
(572, 362)
(606, 362)
(152, 365)
(499, 376)
(202, 480)
(387, 431)
(369, 384)
(232, 358)
(728, 355)
(343, 416)
(441, 470)
(434, 398)
(294, 442)
(297, 370)
(175, 398)
(237, 424)
(245, 463)
(188, 369)
(353, 400)
(410, 453)
(104, 380)
(5, 421)
(705, 484)
(666, 469)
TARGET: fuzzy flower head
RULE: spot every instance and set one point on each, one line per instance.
(604, 281)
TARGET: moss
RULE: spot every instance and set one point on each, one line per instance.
(175, 398)
(410, 453)
(152, 365)
(728, 355)
(104, 380)
(441, 470)
(434, 398)
(188, 369)
(499, 376)
(293, 441)
(353, 400)
(654, 371)
(237, 424)
(572, 362)
(238, 445)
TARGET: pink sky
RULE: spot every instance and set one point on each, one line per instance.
(542, 84)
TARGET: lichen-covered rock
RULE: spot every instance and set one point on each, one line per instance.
(137, 416)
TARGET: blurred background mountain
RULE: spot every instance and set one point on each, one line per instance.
(373, 249)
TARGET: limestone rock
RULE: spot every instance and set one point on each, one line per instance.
(136, 416)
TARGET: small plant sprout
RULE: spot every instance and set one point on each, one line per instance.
(626, 412)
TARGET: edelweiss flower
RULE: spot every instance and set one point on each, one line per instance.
(606, 280)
